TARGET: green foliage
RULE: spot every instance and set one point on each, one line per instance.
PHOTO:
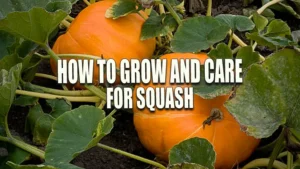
(122, 8)
(269, 96)
(74, 132)
(194, 150)
(198, 33)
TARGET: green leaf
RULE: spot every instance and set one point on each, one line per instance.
(222, 51)
(9, 61)
(157, 25)
(34, 25)
(74, 132)
(16, 166)
(122, 8)
(9, 82)
(209, 91)
(15, 154)
(260, 21)
(269, 96)
(7, 40)
(236, 22)
(278, 28)
(198, 33)
(59, 106)
(271, 42)
(248, 56)
(187, 166)
(194, 150)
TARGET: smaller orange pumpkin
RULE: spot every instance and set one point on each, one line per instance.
(161, 130)
(94, 34)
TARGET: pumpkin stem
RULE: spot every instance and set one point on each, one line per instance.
(215, 114)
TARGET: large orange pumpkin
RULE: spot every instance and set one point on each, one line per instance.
(161, 130)
(94, 34)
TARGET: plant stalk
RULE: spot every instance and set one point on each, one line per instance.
(50, 52)
(98, 92)
(263, 162)
(92, 99)
(230, 40)
(87, 2)
(173, 12)
(64, 92)
(267, 5)
(131, 156)
(46, 76)
(277, 149)
(27, 147)
(209, 8)
(290, 160)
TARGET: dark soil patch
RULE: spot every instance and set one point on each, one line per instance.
(123, 136)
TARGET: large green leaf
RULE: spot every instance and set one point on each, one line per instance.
(9, 82)
(10, 6)
(269, 96)
(236, 22)
(74, 132)
(186, 166)
(248, 56)
(197, 34)
(34, 25)
(194, 150)
(31, 14)
(209, 91)
(122, 8)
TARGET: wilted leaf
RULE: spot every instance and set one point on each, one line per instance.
(269, 96)
(74, 132)
(248, 56)
(236, 22)
(194, 150)
(198, 33)
(122, 8)
(8, 85)
(39, 124)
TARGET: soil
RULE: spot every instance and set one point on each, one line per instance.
(123, 136)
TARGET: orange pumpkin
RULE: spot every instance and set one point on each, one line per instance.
(94, 34)
(161, 130)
